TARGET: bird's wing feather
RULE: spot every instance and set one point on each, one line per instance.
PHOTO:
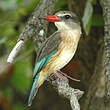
(33, 91)
(42, 63)
(46, 51)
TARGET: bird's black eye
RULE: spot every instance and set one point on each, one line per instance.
(67, 16)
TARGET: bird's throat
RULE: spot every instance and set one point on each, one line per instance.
(70, 36)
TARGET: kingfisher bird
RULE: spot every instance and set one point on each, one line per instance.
(57, 50)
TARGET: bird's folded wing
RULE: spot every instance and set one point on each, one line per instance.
(46, 51)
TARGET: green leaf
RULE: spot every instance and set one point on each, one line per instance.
(87, 17)
(60, 4)
(8, 92)
(97, 20)
(19, 1)
(22, 75)
(94, 2)
(8, 5)
(20, 107)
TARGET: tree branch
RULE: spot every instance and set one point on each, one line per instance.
(106, 14)
(65, 90)
(35, 29)
(15, 51)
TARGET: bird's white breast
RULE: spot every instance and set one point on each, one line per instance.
(63, 59)
(66, 49)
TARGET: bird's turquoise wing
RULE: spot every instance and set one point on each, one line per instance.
(46, 51)
(33, 90)
(42, 63)
(38, 67)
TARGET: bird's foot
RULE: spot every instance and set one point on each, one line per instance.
(64, 76)
(59, 75)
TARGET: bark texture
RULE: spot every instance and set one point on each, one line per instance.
(106, 14)
(96, 68)
(37, 28)
(95, 97)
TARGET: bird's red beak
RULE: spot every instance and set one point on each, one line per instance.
(52, 18)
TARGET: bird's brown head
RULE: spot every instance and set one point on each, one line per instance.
(64, 20)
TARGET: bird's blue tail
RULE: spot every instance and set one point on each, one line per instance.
(33, 90)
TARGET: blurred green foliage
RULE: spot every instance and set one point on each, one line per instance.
(90, 18)
(60, 4)
(20, 107)
(21, 78)
(97, 20)
(87, 18)
(13, 15)
(8, 92)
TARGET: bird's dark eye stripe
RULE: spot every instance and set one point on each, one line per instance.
(67, 16)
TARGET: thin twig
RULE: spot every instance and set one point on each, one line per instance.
(68, 76)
